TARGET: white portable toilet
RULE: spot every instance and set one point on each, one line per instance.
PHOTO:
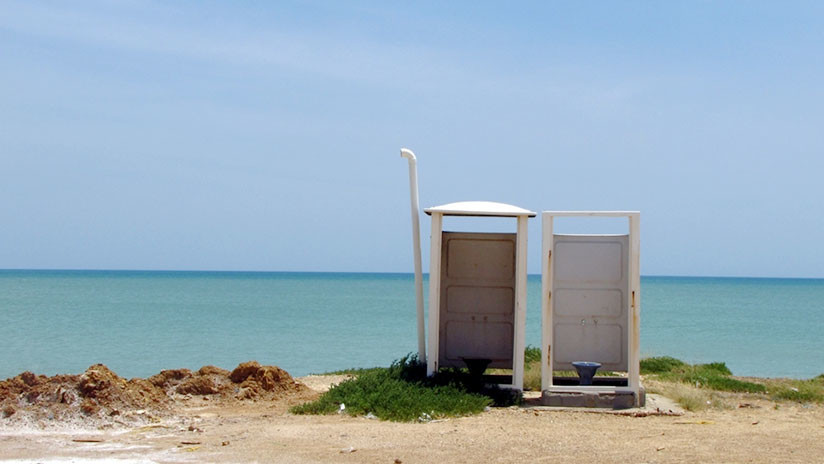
(591, 306)
(477, 292)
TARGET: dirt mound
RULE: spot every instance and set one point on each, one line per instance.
(248, 381)
(99, 395)
(98, 392)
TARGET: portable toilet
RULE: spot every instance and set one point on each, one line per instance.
(591, 306)
(477, 293)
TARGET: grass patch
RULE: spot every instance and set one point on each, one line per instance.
(712, 376)
(660, 364)
(403, 392)
(688, 396)
(698, 386)
(532, 354)
(353, 371)
(802, 391)
(532, 368)
(724, 383)
(715, 368)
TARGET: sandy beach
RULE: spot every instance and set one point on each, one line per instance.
(208, 429)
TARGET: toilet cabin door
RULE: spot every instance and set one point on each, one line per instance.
(589, 300)
(477, 304)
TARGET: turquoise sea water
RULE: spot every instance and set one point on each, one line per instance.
(139, 322)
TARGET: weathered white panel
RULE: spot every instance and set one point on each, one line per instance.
(480, 258)
(589, 260)
(480, 300)
(478, 339)
(589, 305)
(477, 303)
(589, 302)
(601, 343)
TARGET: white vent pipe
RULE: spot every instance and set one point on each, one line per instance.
(416, 248)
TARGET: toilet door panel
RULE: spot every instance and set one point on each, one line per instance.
(589, 303)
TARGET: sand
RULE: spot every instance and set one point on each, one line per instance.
(223, 427)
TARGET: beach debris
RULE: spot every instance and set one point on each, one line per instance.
(351, 449)
(190, 443)
(424, 417)
(224, 443)
(398, 461)
(755, 423)
(655, 412)
(369, 415)
(342, 408)
(697, 422)
(87, 440)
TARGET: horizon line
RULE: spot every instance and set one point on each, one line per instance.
(217, 271)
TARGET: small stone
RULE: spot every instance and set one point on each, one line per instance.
(224, 443)
(8, 411)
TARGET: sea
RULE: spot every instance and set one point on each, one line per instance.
(141, 322)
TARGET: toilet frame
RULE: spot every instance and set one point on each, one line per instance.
(633, 305)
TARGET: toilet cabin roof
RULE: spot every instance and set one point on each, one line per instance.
(479, 208)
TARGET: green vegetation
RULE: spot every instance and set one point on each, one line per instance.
(353, 371)
(802, 391)
(714, 376)
(532, 368)
(402, 392)
(697, 386)
(532, 354)
(660, 364)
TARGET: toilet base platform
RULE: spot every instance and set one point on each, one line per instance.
(578, 399)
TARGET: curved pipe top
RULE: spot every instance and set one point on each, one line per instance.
(407, 153)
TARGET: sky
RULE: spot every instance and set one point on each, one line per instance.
(265, 136)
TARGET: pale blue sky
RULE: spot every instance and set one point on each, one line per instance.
(266, 135)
